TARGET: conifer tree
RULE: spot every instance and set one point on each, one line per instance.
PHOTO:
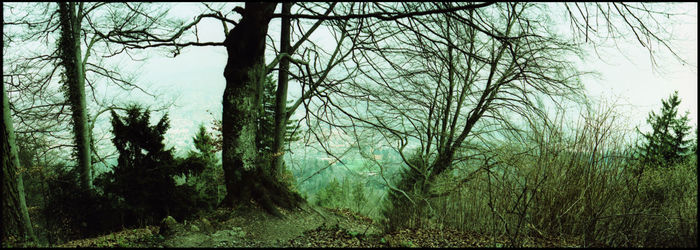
(266, 124)
(207, 182)
(668, 142)
(358, 195)
(205, 145)
(143, 175)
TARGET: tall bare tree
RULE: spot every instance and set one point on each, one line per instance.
(75, 65)
(245, 73)
(71, 58)
(15, 219)
(281, 94)
(503, 55)
(441, 82)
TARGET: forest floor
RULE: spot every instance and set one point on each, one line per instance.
(307, 227)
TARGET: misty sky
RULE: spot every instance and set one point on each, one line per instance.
(194, 79)
(626, 78)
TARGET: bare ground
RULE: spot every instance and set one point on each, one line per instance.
(306, 227)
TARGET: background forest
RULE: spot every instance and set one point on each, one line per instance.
(464, 116)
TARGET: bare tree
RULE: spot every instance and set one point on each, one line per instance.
(281, 94)
(15, 218)
(502, 59)
(38, 77)
(441, 82)
(71, 59)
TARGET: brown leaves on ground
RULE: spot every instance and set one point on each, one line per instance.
(334, 236)
(324, 228)
(352, 231)
(140, 237)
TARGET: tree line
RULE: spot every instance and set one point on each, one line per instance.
(434, 80)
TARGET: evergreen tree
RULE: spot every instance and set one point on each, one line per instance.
(266, 125)
(695, 142)
(207, 182)
(204, 143)
(668, 142)
(358, 195)
(265, 122)
(404, 205)
(331, 195)
(143, 177)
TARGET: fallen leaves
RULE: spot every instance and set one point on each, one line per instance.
(141, 237)
(343, 228)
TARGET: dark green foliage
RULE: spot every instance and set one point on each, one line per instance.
(192, 165)
(266, 125)
(403, 208)
(143, 177)
(207, 181)
(345, 194)
(694, 148)
(667, 143)
(139, 191)
(75, 212)
(358, 196)
(204, 144)
(330, 196)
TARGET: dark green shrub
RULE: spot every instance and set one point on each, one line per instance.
(404, 204)
(330, 195)
(359, 199)
(76, 213)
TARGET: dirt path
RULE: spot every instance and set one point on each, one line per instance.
(255, 228)
(307, 227)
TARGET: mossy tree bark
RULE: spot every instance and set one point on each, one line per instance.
(248, 177)
(71, 59)
(15, 216)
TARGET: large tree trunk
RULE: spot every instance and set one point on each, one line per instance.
(281, 97)
(15, 217)
(246, 175)
(71, 58)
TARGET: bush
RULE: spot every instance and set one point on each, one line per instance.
(668, 206)
(204, 183)
(77, 213)
(331, 196)
(585, 186)
(404, 208)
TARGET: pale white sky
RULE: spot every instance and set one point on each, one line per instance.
(627, 75)
(195, 77)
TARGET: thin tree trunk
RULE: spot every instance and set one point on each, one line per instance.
(281, 97)
(71, 57)
(46, 194)
(247, 177)
(15, 216)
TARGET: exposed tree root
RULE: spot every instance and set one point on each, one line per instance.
(260, 187)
